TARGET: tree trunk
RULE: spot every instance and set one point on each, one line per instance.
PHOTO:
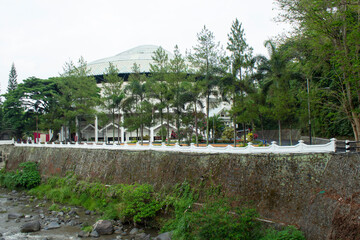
(168, 124)
(234, 121)
(262, 129)
(279, 122)
(54, 136)
(118, 129)
(244, 134)
(213, 130)
(178, 124)
(161, 122)
(196, 128)
(207, 118)
(113, 122)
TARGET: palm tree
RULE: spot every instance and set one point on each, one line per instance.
(274, 75)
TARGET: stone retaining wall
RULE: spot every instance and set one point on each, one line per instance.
(320, 193)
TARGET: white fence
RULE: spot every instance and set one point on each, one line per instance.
(6, 142)
(250, 149)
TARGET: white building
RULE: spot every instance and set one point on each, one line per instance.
(142, 56)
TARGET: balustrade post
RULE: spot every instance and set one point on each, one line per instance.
(347, 146)
(333, 144)
(250, 146)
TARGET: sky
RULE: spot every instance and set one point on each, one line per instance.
(40, 36)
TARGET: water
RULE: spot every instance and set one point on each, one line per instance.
(11, 202)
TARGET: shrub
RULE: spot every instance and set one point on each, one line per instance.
(138, 202)
(214, 220)
(8, 179)
(289, 233)
(27, 176)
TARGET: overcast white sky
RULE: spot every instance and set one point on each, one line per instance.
(39, 36)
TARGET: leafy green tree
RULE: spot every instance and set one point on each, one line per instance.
(332, 28)
(240, 62)
(216, 126)
(158, 85)
(207, 60)
(78, 94)
(113, 95)
(38, 96)
(12, 84)
(193, 97)
(31, 104)
(13, 111)
(137, 107)
(14, 114)
(177, 80)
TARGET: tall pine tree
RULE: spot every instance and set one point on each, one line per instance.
(12, 84)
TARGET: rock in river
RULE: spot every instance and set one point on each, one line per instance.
(104, 227)
(15, 215)
(52, 225)
(33, 226)
(164, 236)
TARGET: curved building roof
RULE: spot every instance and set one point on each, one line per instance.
(141, 55)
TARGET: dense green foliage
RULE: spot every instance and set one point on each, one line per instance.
(26, 177)
(51, 103)
(138, 203)
(289, 233)
(135, 203)
(216, 219)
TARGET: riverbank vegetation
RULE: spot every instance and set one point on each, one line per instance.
(26, 177)
(188, 212)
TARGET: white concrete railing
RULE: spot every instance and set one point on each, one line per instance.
(7, 142)
(250, 149)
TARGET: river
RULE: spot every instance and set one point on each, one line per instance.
(13, 202)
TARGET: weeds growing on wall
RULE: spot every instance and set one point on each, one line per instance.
(180, 209)
(26, 177)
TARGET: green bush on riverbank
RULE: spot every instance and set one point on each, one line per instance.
(26, 177)
(187, 219)
(177, 210)
(135, 203)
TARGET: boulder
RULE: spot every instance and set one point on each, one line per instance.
(73, 223)
(72, 212)
(83, 234)
(142, 236)
(94, 234)
(15, 215)
(164, 236)
(134, 231)
(104, 227)
(52, 225)
(33, 226)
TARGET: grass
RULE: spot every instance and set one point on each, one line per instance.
(176, 210)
